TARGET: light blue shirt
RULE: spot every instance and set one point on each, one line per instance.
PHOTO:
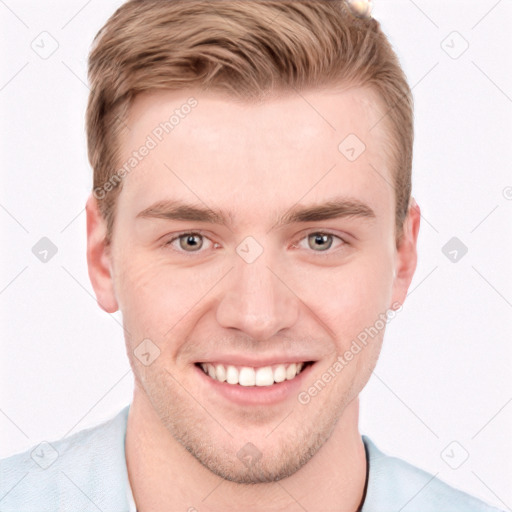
(87, 472)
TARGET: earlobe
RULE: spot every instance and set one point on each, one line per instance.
(406, 253)
(99, 258)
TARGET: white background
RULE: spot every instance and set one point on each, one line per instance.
(444, 373)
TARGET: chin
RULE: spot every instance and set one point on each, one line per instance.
(267, 456)
(250, 466)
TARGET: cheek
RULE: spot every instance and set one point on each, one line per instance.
(146, 298)
(349, 297)
(156, 298)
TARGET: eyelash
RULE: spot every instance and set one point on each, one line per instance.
(328, 252)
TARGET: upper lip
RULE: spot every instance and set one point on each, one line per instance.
(240, 360)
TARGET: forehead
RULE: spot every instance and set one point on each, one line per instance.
(297, 115)
(257, 154)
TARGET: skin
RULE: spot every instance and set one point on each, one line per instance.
(254, 161)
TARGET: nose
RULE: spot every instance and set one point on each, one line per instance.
(257, 300)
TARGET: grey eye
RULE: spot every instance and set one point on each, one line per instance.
(321, 241)
(190, 241)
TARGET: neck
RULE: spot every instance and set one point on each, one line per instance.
(165, 476)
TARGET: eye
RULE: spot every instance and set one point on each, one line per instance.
(320, 241)
(193, 242)
(187, 242)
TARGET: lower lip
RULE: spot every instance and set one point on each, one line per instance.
(257, 395)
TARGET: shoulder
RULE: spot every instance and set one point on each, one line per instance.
(394, 484)
(86, 470)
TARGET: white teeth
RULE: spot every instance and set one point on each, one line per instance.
(291, 371)
(248, 376)
(264, 376)
(280, 373)
(220, 373)
(231, 375)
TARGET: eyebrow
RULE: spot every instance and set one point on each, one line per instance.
(333, 209)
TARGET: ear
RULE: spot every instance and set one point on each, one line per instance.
(406, 255)
(99, 258)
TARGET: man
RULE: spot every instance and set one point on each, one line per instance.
(252, 219)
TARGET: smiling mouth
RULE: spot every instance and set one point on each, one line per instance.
(250, 376)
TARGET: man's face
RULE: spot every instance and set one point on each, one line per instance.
(266, 289)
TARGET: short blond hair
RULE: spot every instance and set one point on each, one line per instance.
(248, 49)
